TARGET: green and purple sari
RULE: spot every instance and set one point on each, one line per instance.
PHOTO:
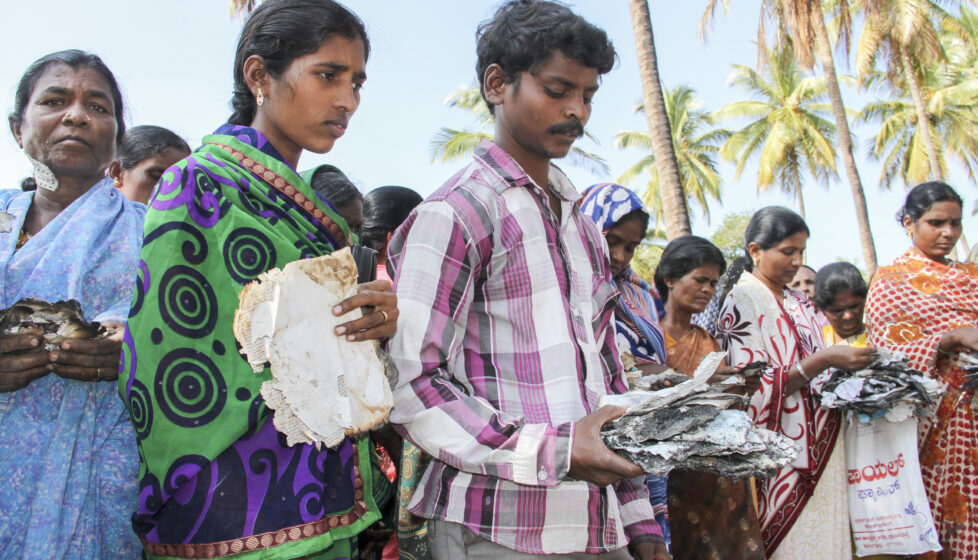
(216, 479)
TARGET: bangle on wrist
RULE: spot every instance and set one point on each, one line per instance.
(801, 370)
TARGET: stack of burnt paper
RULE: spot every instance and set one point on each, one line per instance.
(689, 426)
(52, 322)
(889, 388)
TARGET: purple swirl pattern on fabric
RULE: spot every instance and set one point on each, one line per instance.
(145, 270)
(215, 470)
(128, 349)
(182, 190)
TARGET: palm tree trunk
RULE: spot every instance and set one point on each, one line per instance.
(824, 50)
(923, 121)
(801, 210)
(801, 199)
(923, 128)
(671, 187)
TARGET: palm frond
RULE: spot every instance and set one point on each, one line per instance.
(451, 145)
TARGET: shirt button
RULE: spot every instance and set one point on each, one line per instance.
(542, 475)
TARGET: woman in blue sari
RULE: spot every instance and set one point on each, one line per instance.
(68, 459)
(623, 219)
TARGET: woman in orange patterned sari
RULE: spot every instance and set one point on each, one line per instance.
(926, 306)
(711, 517)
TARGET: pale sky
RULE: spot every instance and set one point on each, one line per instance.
(174, 62)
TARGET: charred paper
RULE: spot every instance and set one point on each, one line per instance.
(323, 386)
(692, 426)
(53, 322)
(889, 388)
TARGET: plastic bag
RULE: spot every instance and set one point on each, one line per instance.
(888, 506)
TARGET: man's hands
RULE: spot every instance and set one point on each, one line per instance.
(591, 460)
(380, 312)
(651, 551)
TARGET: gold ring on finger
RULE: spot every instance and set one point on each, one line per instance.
(386, 317)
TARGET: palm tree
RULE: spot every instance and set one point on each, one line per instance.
(242, 7)
(789, 130)
(901, 34)
(648, 254)
(695, 140)
(947, 92)
(802, 23)
(673, 205)
(951, 120)
(450, 144)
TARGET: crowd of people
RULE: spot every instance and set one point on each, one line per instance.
(505, 300)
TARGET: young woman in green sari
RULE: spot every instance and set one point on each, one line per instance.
(216, 479)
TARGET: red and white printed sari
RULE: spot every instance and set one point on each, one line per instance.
(754, 327)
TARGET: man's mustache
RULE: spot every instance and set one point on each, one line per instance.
(573, 126)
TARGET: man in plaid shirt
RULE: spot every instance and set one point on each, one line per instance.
(505, 339)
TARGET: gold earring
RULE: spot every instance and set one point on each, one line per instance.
(117, 183)
(260, 97)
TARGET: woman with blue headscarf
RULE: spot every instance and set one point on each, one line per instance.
(623, 219)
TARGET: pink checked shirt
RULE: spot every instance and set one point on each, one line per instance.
(505, 339)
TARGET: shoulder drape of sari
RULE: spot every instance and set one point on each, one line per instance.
(68, 458)
(637, 318)
(911, 304)
(685, 354)
(216, 479)
(710, 516)
(753, 327)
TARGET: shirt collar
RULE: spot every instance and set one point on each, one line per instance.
(512, 175)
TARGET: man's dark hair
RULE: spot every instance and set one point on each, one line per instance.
(145, 141)
(280, 31)
(525, 33)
